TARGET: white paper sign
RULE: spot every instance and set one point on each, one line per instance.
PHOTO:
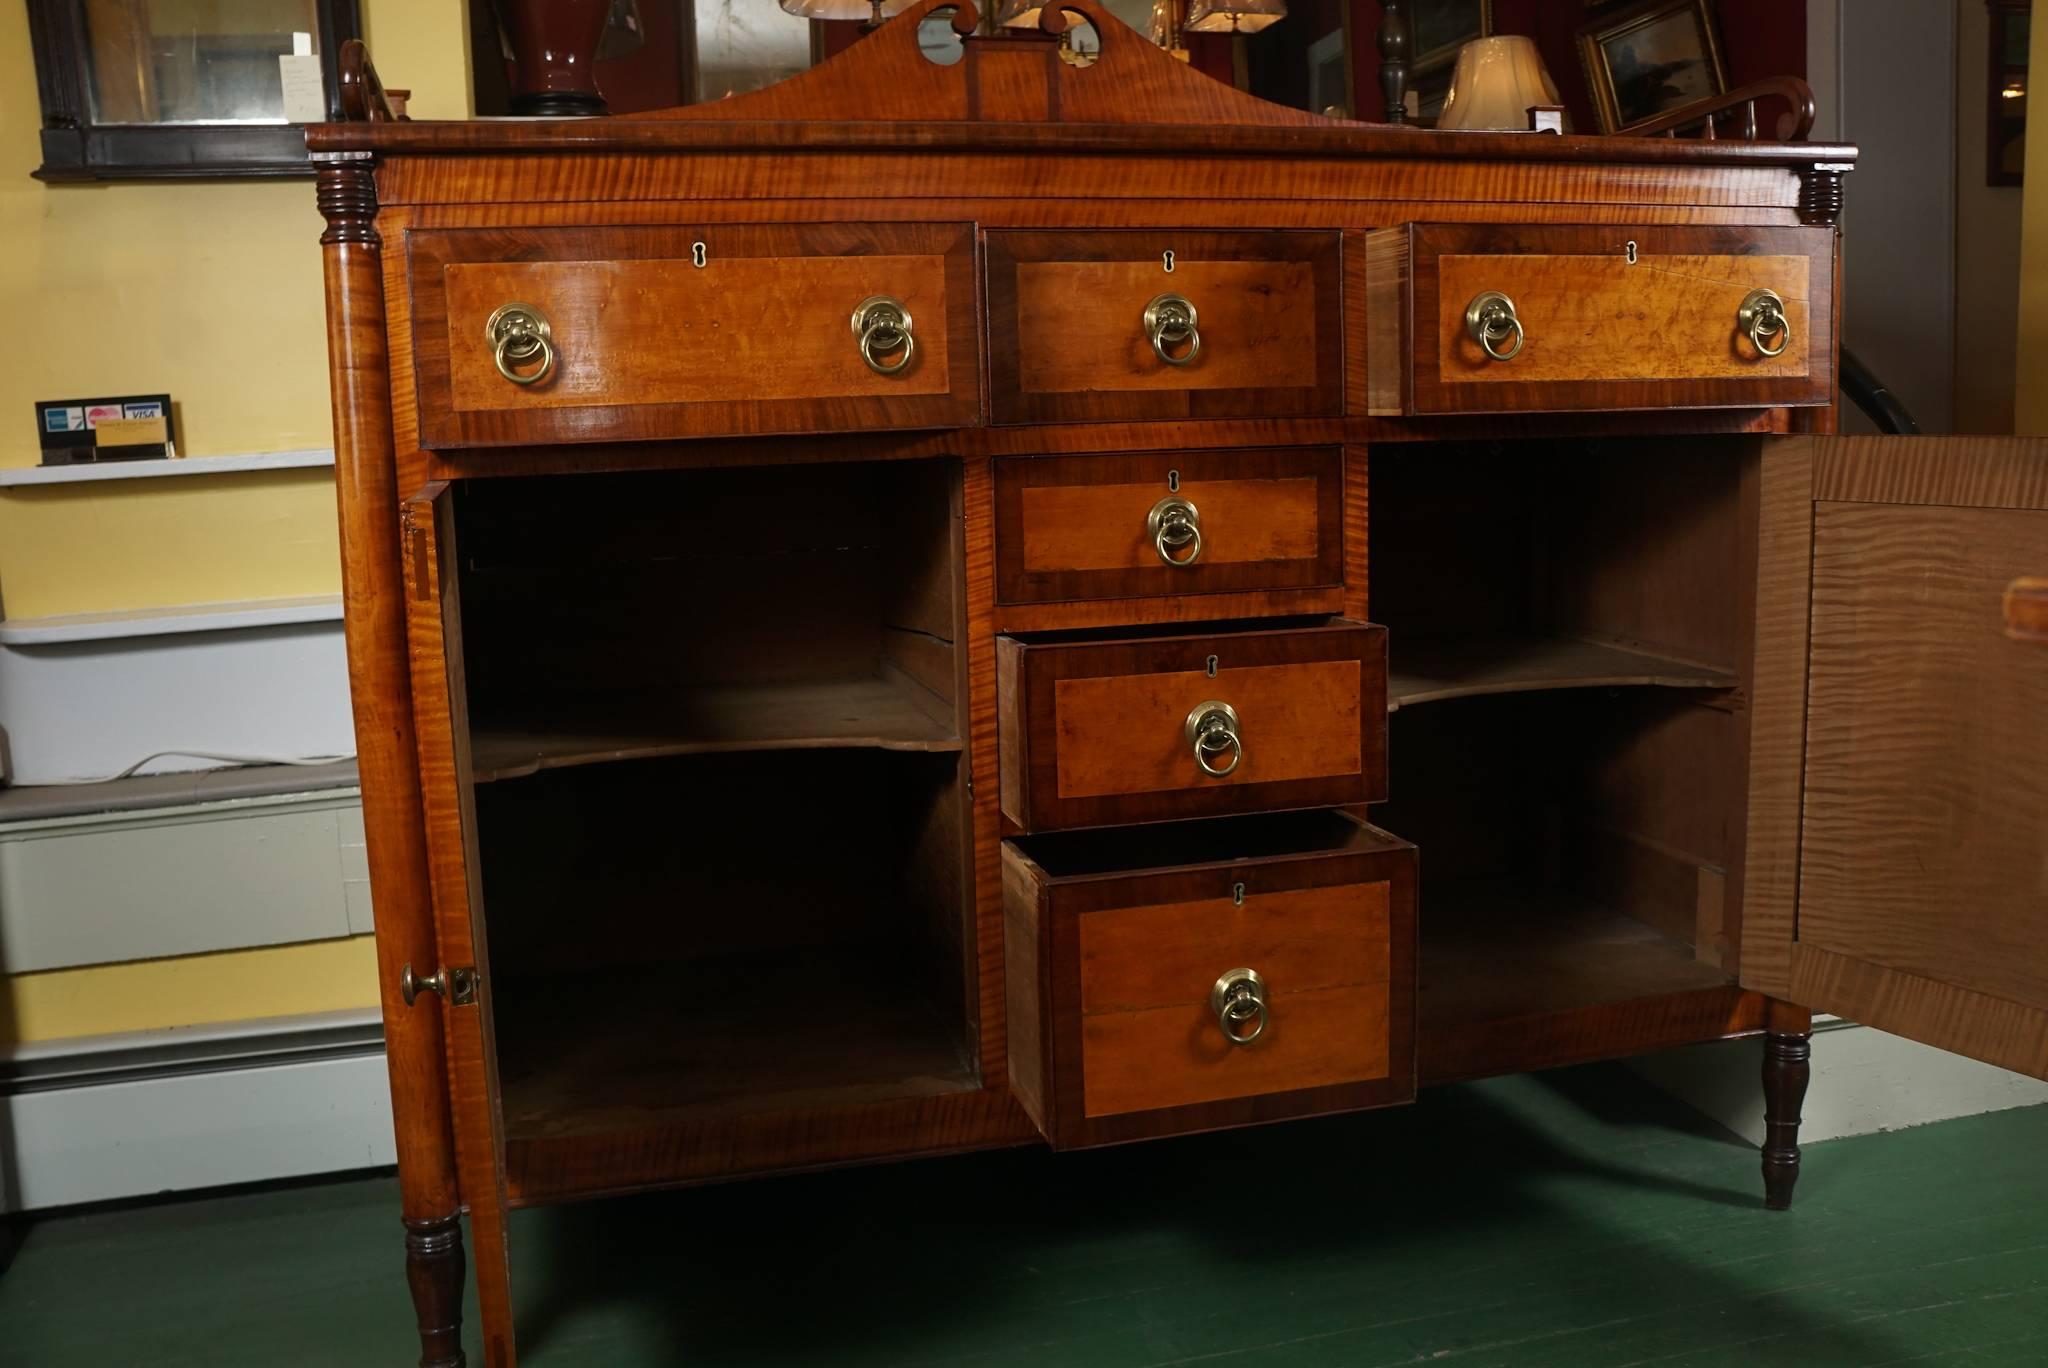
(305, 94)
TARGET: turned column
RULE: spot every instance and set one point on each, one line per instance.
(358, 364)
(1788, 1051)
(1394, 41)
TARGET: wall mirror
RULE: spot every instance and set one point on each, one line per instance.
(134, 89)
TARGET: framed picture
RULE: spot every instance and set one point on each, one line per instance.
(1644, 61)
(141, 89)
(1438, 28)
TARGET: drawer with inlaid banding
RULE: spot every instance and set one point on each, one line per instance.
(1096, 733)
(1500, 318)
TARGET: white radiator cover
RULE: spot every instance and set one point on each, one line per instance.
(86, 697)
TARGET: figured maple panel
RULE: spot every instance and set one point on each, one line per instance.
(1071, 528)
(1095, 732)
(1124, 734)
(1149, 1038)
(1621, 317)
(1927, 748)
(1599, 318)
(1068, 340)
(649, 344)
(1116, 939)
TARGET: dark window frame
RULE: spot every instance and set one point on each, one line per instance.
(77, 149)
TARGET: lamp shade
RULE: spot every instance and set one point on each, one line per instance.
(1232, 16)
(1495, 82)
(1018, 13)
(842, 9)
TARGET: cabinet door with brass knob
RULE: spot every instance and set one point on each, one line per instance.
(1072, 528)
(1203, 974)
(1096, 733)
(1529, 318)
(1142, 324)
(555, 334)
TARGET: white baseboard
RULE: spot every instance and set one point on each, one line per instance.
(1864, 1081)
(171, 1111)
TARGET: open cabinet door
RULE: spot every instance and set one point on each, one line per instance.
(1898, 818)
(434, 637)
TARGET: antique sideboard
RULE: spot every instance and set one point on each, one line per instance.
(946, 605)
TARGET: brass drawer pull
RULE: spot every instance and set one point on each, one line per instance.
(1170, 323)
(1763, 315)
(1174, 522)
(883, 326)
(1490, 319)
(1240, 997)
(1212, 730)
(516, 334)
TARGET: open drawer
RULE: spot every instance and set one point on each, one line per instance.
(1509, 318)
(1206, 974)
(1151, 729)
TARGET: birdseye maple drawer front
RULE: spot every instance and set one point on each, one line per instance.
(1196, 975)
(1485, 318)
(537, 335)
(1091, 527)
(1096, 733)
(1119, 325)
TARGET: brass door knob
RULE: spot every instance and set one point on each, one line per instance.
(519, 335)
(1239, 1001)
(1170, 322)
(1490, 321)
(883, 326)
(1174, 523)
(411, 985)
(1763, 315)
(1212, 732)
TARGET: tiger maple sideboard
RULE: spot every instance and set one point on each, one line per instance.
(934, 606)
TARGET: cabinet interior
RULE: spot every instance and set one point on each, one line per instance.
(1570, 632)
(720, 802)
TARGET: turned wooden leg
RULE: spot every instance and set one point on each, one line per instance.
(1788, 1050)
(434, 1268)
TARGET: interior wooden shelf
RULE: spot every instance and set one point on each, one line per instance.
(1428, 670)
(1516, 978)
(771, 1031)
(888, 713)
(1498, 950)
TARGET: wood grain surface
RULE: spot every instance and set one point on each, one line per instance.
(1897, 815)
(1600, 332)
(649, 345)
(1067, 337)
(1149, 1038)
(1095, 732)
(1074, 528)
(1121, 936)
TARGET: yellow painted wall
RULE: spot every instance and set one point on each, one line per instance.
(2030, 388)
(242, 985)
(211, 291)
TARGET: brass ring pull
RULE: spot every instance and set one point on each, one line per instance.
(1240, 997)
(1763, 315)
(517, 333)
(1170, 323)
(1174, 523)
(1490, 320)
(411, 985)
(883, 326)
(1212, 730)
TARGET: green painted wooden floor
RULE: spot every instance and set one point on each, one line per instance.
(1574, 1220)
